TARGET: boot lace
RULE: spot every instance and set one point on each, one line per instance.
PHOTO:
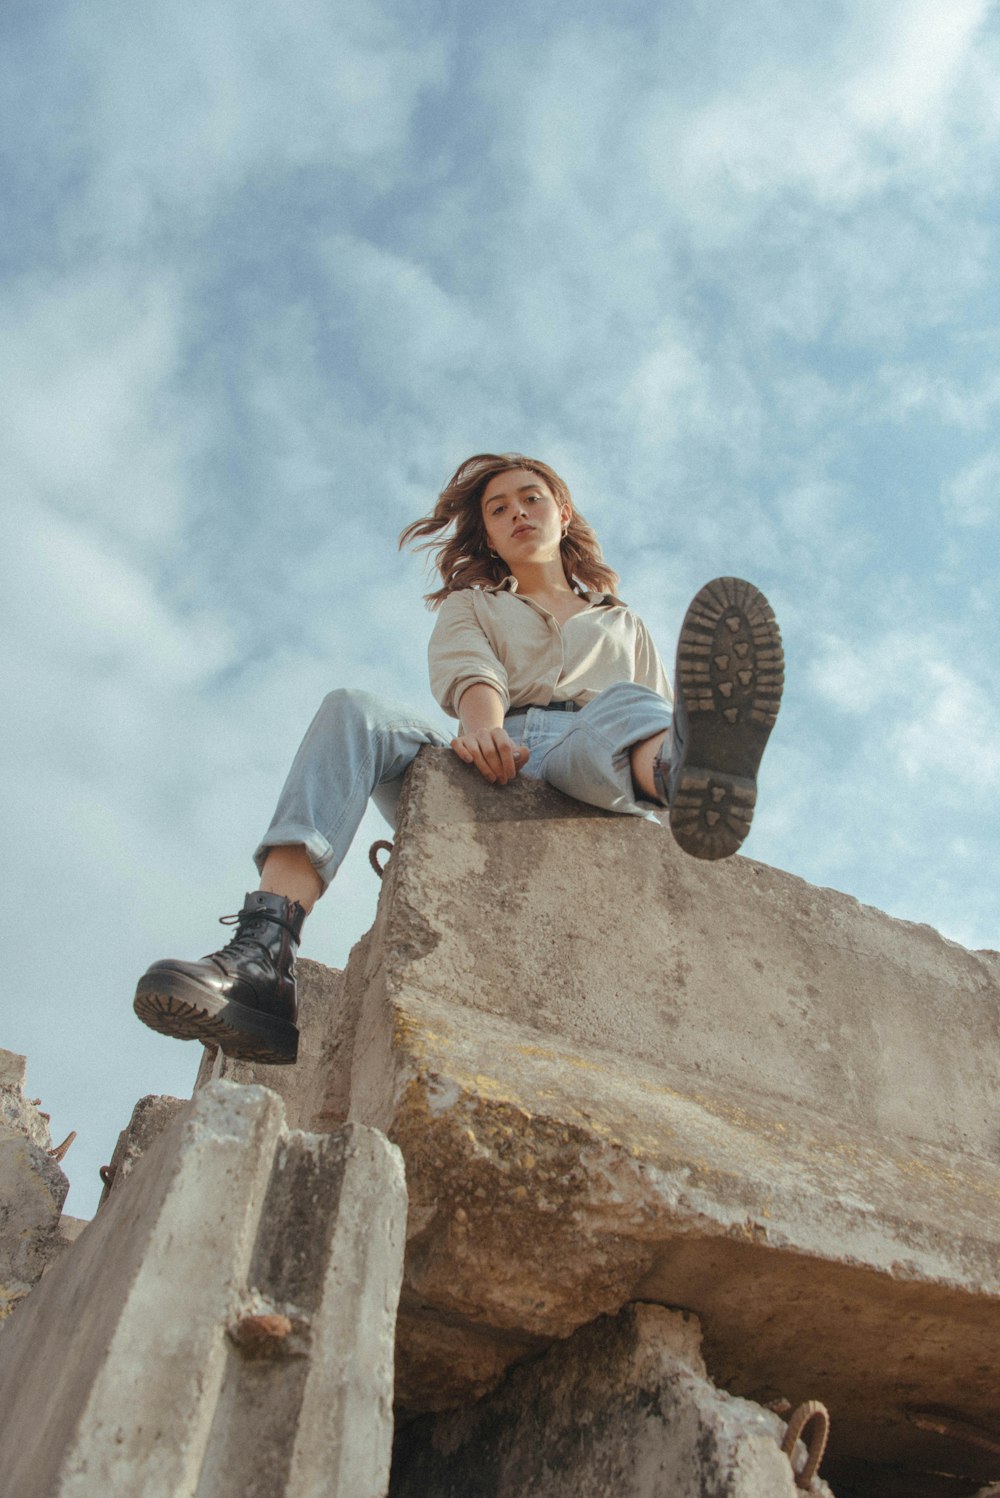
(242, 944)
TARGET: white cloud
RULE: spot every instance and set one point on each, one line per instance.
(921, 51)
(187, 104)
(954, 732)
(813, 511)
(968, 401)
(838, 123)
(76, 600)
(937, 713)
(94, 424)
(412, 327)
(972, 497)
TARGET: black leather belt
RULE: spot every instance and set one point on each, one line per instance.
(545, 707)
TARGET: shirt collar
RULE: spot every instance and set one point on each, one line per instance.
(508, 584)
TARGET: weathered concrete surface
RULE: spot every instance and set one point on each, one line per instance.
(70, 1228)
(150, 1117)
(618, 1073)
(223, 1327)
(32, 1190)
(452, 1362)
(623, 1409)
(315, 1091)
(18, 1112)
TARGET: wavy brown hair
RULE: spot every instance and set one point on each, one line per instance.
(463, 557)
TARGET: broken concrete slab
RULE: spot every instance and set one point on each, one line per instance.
(619, 1073)
(233, 1273)
(13, 1069)
(125, 1339)
(622, 1407)
(314, 1091)
(150, 1116)
(18, 1112)
(32, 1189)
(70, 1228)
(309, 1412)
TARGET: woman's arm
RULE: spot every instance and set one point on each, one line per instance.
(460, 655)
(482, 739)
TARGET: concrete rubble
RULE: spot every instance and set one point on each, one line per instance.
(33, 1232)
(623, 1406)
(619, 1074)
(640, 1100)
(224, 1326)
(316, 1090)
(150, 1116)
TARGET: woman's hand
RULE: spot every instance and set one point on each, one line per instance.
(493, 752)
(483, 741)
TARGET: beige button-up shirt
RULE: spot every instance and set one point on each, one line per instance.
(513, 644)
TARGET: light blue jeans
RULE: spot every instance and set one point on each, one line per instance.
(359, 746)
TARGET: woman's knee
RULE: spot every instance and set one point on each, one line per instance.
(626, 713)
(351, 714)
(628, 694)
(355, 704)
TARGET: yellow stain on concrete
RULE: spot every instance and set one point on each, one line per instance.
(539, 1111)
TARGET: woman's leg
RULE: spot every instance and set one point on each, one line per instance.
(644, 759)
(730, 673)
(289, 871)
(243, 997)
(358, 746)
(593, 758)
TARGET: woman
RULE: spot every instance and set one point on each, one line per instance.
(551, 675)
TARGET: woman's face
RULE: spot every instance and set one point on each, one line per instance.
(524, 521)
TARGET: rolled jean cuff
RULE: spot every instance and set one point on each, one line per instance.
(288, 834)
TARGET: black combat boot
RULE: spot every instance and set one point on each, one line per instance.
(241, 999)
(730, 672)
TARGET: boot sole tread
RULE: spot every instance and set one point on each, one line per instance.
(241, 1033)
(730, 676)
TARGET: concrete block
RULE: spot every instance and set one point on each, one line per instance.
(214, 1280)
(18, 1113)
(622, 1409)
(307, 1413)
(32, 1189)
(617, 1073)
(70, 1228)
(12, 1069)
(150, 1116)
(316, 1090)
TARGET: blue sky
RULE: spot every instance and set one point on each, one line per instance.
(271, 272)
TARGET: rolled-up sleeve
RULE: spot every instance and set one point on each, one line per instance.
(460, 655)
(649, 670)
